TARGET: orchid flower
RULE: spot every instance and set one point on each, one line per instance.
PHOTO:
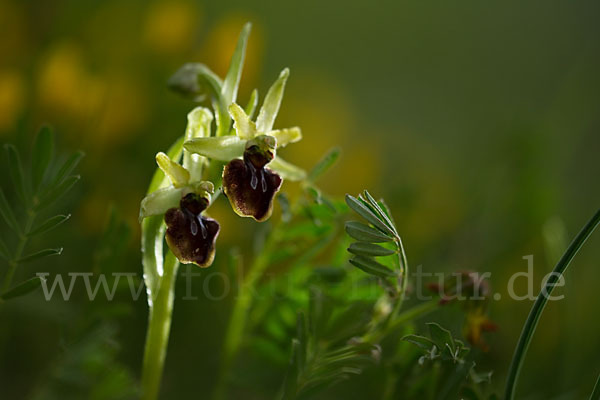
(253, 174)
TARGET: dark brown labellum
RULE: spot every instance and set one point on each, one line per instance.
(250, 186)
(191, 236)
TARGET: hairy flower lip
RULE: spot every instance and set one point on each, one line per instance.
(250, 189)
(190, 235)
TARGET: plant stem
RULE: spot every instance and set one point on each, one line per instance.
(540, 303)
(402, 318)
(596, 393)
(14, 262)
(159, 326)
(241, 306)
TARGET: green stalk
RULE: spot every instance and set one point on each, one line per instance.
(14, 262)
(596, 393)
(241, 306)
(159, 326)
(401, 319)
(540, 304)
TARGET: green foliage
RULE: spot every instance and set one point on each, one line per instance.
(380, 230)
(88, 369)
(45, 184)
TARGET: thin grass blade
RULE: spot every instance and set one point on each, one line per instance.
(540, 303)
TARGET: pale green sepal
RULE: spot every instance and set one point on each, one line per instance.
(286, 136)
(178, 175)
(224, 148)
(286, 170)
(159, 180)
(244, 127)
(270, 108)
(252, 104)
(232, 79)
(158, 202)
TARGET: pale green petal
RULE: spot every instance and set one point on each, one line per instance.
(199, 123)
(232, 79)
(270, 107)
(244, 127)
(286, 136)
(286, 170)
(158, 202)
(178, 175)
(252, 104)
(223, 148)
(159, 180)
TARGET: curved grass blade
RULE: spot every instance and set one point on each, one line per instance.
(324, 164)
(365, 233)
(22, 288)
(49, 224)
(369, 249)
(290, 385)
(16, 171)
(596, 393)
(371, 266)
(361, 209)
(7, 213)
(540, 303)
(40, 254)
(68, 167)
(250, 108)
(41, 156)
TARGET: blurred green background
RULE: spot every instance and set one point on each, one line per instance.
(477, 121)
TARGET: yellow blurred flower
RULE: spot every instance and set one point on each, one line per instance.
(111, 107)
(170, 26)
(124, 110)
(65, 86)
(12, 98)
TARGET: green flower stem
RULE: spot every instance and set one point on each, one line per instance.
(14, 262)
(596, 393)
(237, 321)
(159, 326)
(403, 263)
(540, 304)
(401, 319)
